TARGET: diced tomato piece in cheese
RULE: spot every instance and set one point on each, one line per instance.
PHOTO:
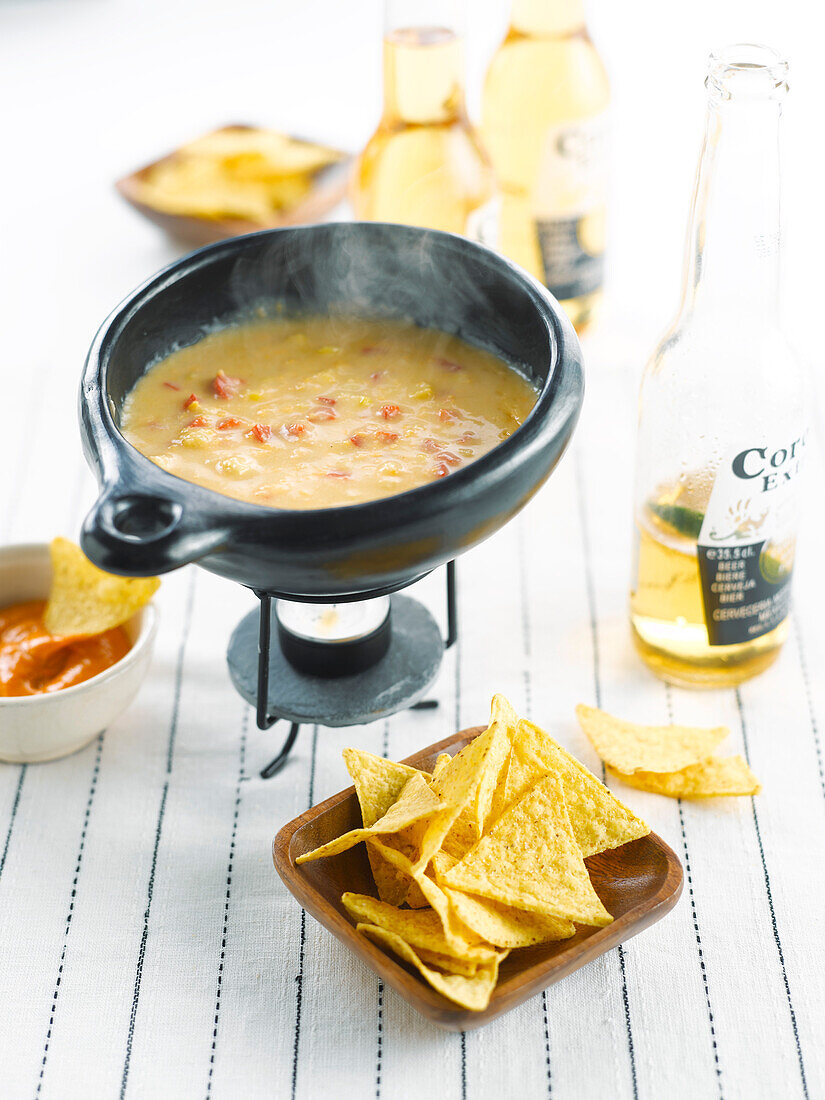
(262, 432)
(223, 385)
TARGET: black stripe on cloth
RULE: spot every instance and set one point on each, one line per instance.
(70, 914)
(229, 869)
(547, 1044)
(527, 646)
(379, 1055)
(769, 895)
(13, 815)
(150, 889)
(597, 686)
(299, 977)
(695, 918)
(463, 1065)
(803, 664)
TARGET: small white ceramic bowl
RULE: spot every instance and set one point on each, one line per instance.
(34, 728)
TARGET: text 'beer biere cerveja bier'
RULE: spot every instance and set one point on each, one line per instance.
(722, 413)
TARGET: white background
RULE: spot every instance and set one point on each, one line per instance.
(115, 917)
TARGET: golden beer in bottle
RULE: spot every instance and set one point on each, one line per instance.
(424, 165)
(544, 124)
(722, 410)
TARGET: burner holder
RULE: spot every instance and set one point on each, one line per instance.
(403, 609)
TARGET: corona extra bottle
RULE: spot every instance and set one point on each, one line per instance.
(544, 124)
(722, 414)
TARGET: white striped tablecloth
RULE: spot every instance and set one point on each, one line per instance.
(148, 949)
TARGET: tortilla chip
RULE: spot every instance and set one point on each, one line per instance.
(449, 963)
(417, 801)
(599, 820)
(531, 860)
(84, 600)
(441, 762)
(716, 777)
(461, 837)
(417, 927)
(458, 935)
(378, 784)
(469, 992)
(486, 807)
(628, 747)
(457, 787)
(499, 924)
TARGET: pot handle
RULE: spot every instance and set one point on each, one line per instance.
(140, 534)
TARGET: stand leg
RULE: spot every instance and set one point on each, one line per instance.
(452, 627)
(274, 766)
(263, 718)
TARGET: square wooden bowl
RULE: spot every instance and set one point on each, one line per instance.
(329, 186)
(638, 884)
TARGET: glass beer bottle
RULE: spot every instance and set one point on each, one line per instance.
(722, 424)
(424, 165)
(544, 124)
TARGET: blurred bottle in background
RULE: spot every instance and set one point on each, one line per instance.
(544, 124)
(424, 165)
(722, 410)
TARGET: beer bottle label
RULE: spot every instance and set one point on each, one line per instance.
(569, 206)
(746, 544)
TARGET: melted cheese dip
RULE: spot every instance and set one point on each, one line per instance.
(316, 412)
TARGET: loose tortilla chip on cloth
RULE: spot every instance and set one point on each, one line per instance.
(469, 992)
(84, 600)
(531, 860)
(417, 801)
(599, 820)
(716, 777)
(378, 784)
(629, 747)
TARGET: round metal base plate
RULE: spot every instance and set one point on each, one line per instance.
(396, 682)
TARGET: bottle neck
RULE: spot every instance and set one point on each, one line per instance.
(547, 17)
(423, 62)
(732, 261)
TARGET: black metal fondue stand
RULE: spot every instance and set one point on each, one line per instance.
(349, 649)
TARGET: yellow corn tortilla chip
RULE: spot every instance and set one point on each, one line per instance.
(458, 935)
(417, 927)
(450, 963)
(85, 600)
(416, 801)
(461, 837)
(505, 718)
(716, 777)
(457, 787)
(499, 924)
(599, 820)
(378, 784)
(505, 926)
(469, 992)
(629, 747)
(441, 762)
(531, 860)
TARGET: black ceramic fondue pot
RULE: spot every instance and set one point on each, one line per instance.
(148, 521)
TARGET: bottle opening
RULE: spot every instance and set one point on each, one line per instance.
(747, 71)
